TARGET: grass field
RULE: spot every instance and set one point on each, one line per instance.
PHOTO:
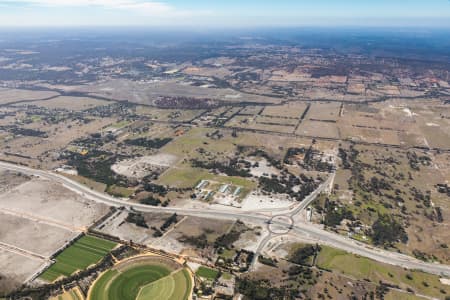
(361, 267)
(207, 273)
(101, 285)
(86, 251)
(119, 191)
(142, 281)
(177, 286)
(127, 285)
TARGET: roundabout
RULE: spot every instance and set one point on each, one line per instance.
(281, 224)
(143, 277)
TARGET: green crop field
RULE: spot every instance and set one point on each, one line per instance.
(207, 273)
(142, 281)
(86, 251)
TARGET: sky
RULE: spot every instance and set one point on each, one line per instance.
(205, 14)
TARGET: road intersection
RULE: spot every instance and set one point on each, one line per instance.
(304, 230)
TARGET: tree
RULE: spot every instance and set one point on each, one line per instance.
(386, 231)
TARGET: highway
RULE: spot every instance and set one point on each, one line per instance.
(302, 230)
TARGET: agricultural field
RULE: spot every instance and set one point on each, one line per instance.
(292, 110)
(86, 251)
(183, 115)
(323, 111)
(70, 103)
(14, 95)
(143, 278)
(397, 122)
(318, 129)
(266, 123)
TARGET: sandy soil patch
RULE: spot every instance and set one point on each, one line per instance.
(143, 166)
(445, 281)
(36, 237)
(263, 168)
(259, 201)
(52, 201)
(251, 239)
(15, 269)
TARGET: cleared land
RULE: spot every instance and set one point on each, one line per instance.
(15, 268)
(86, 251)
(52, 202)
(116, 225)
(142, 166)
(41, 238)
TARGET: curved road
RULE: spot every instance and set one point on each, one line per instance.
(302, 230)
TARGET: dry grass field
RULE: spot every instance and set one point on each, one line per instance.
(59, 136)
(70, 103)
(318, 129)
(192, 227)
(426, 234)
(8, 96)
(289, 110)
(180, 115)
(324, 111)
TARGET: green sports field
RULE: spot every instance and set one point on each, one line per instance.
(177, 286)
(86, 251)
(142, 281)
(207, 273)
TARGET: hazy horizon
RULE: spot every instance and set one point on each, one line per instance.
(201, 14)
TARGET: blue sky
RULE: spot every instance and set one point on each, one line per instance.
(225, 13)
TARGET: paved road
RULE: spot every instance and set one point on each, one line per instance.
(309, 231)
(290, 214)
